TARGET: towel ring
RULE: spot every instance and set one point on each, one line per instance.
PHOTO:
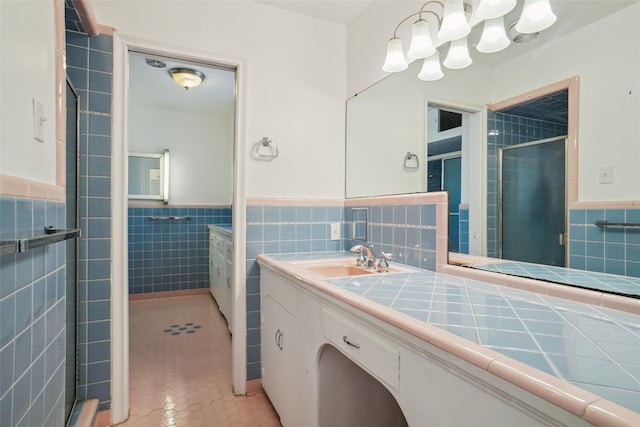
(407, 159)
(272, 149)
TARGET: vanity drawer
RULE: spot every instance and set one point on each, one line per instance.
(372, 352)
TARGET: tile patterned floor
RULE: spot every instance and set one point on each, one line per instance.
(180, 368)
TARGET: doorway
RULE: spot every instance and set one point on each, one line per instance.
(447, 143)
(532, 202)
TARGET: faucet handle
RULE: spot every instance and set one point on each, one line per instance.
(383, 266)
(385, 255)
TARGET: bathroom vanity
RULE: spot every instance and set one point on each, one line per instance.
(336, 350)
(221, 268)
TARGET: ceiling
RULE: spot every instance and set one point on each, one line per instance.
(149, 86)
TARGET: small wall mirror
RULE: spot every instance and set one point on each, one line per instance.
(149, 176)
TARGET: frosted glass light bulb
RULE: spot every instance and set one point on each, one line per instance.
(458, 55)
(536, 16)
(494, 37)
(421, 44)
(454, 21)
(489, 9)
(431, 70)
(395, 60)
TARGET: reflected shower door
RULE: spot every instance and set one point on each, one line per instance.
(533, 202)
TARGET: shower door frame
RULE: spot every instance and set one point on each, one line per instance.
(70, 85)
(566, 194)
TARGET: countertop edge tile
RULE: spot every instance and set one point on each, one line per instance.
(606, 413)
(543, 385)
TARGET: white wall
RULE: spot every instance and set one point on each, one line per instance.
(295, 74)
(201, 146)
(27, 60)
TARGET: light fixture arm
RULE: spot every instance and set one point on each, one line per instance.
(420, 12)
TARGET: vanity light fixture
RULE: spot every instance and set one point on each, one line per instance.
(453, 27)
(186, 77)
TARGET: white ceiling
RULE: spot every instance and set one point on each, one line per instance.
(154, 87)
(337, 11)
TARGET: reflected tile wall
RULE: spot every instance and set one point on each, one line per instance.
(32, 317)
(464, 230)
(613, 250)
(171, 255)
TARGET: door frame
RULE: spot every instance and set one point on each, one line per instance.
(122, 44)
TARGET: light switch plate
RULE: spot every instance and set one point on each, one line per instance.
(38, 120)
(605, 174)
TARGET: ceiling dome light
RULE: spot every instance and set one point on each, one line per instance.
(421, 44)
(494, 37)
(454, 21)
(489, 9)
(395, 57)
(458, 55)
(186, 77)
(536, 16)
(431, 70)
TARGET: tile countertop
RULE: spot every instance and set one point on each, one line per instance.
(594, 348)
(223, 227)
(625, 285)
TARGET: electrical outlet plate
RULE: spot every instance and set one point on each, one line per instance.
(335, 231)
(38, 120)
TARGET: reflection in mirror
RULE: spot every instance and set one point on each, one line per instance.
(359, 225)
(601, 167)
(149, 176)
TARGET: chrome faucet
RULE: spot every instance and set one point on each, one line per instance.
(366, 258)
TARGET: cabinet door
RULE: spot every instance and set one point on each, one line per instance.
(221, 282)
(283, 368)
(212, 264)
(229, 281)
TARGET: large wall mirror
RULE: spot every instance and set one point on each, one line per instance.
(561, 109)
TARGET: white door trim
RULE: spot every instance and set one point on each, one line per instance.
(119, 287)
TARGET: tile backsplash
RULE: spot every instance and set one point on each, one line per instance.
(404, 226)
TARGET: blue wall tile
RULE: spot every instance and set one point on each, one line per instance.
(32, 306)
(172, 255)
(612, 250)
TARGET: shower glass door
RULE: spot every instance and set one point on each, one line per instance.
(533, 202)
(71, 249)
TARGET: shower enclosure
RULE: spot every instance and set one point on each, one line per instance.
(532, 201)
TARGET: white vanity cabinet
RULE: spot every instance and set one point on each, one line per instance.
(284, 372)
(327, 363)
(221, 269)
